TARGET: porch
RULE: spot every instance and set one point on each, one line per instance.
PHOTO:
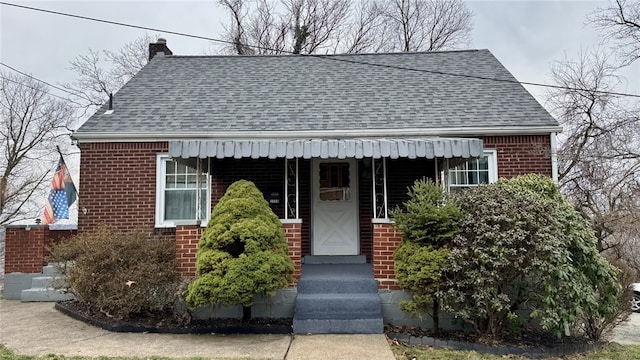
(333, 196)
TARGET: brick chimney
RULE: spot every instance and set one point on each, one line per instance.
(159, 46)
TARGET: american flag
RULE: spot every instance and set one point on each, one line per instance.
(62, 195)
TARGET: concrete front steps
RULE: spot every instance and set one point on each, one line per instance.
(42, 287)
(337, 295)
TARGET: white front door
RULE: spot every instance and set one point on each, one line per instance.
(335, 207)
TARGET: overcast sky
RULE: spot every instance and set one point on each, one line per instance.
(526, 36)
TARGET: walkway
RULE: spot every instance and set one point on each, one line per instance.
(39, 329)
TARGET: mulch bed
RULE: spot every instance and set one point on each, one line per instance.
(529, 342)
(170, 324)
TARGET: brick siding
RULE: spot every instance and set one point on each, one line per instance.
(385, 241)
(519, 155)
(187, 238)
(25, 249)
(293, 233)
(118, 185)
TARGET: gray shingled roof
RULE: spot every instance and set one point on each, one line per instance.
(207, 94)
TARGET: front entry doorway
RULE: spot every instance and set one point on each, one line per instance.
(335, 207)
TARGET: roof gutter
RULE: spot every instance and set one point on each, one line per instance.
(311, 134)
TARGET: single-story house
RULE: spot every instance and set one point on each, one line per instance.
(332, 141)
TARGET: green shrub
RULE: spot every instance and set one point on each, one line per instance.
(593, 323)
(428, 223)
(122, 274)
(592, 294)
(506, 245)
(522, 246)
(242, 252)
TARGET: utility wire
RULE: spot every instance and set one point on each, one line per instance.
(326, 57)
(38, 80)
(38, 89)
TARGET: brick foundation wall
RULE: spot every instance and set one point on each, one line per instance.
(385, 241)
(25, 249)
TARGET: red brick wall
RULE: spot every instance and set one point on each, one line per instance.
(187, 238)
(25, 249)
(293, 235)
(518, 155)
(118, 184)
(385, 241)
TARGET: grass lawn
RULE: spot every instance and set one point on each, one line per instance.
(611, 352)
(6, 354)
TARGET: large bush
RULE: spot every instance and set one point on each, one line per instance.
(242, 252)
(594, 289)
(122, 274)
(428, 223)
(522, 246)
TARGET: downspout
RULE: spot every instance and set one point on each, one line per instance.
(554, 156)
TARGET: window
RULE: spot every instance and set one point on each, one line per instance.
(473, 172)
(334, 181)
(176, 189)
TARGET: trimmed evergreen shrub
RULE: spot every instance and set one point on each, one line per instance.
(121, 274)
(428, 222)
(242, 252)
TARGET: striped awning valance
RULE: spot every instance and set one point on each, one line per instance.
(426, 147)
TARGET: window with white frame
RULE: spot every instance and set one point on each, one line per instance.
(176, 192)
(473, 172)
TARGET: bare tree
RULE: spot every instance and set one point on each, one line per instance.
(427, 25)
(103, 73)
(344, 26)
(620, 21)
(599, 156)
(32, 123)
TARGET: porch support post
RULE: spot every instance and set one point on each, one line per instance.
(286, 188)
(198, 186)
(384, 171)
(379, 178)
(373, 187)
(291, 182)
